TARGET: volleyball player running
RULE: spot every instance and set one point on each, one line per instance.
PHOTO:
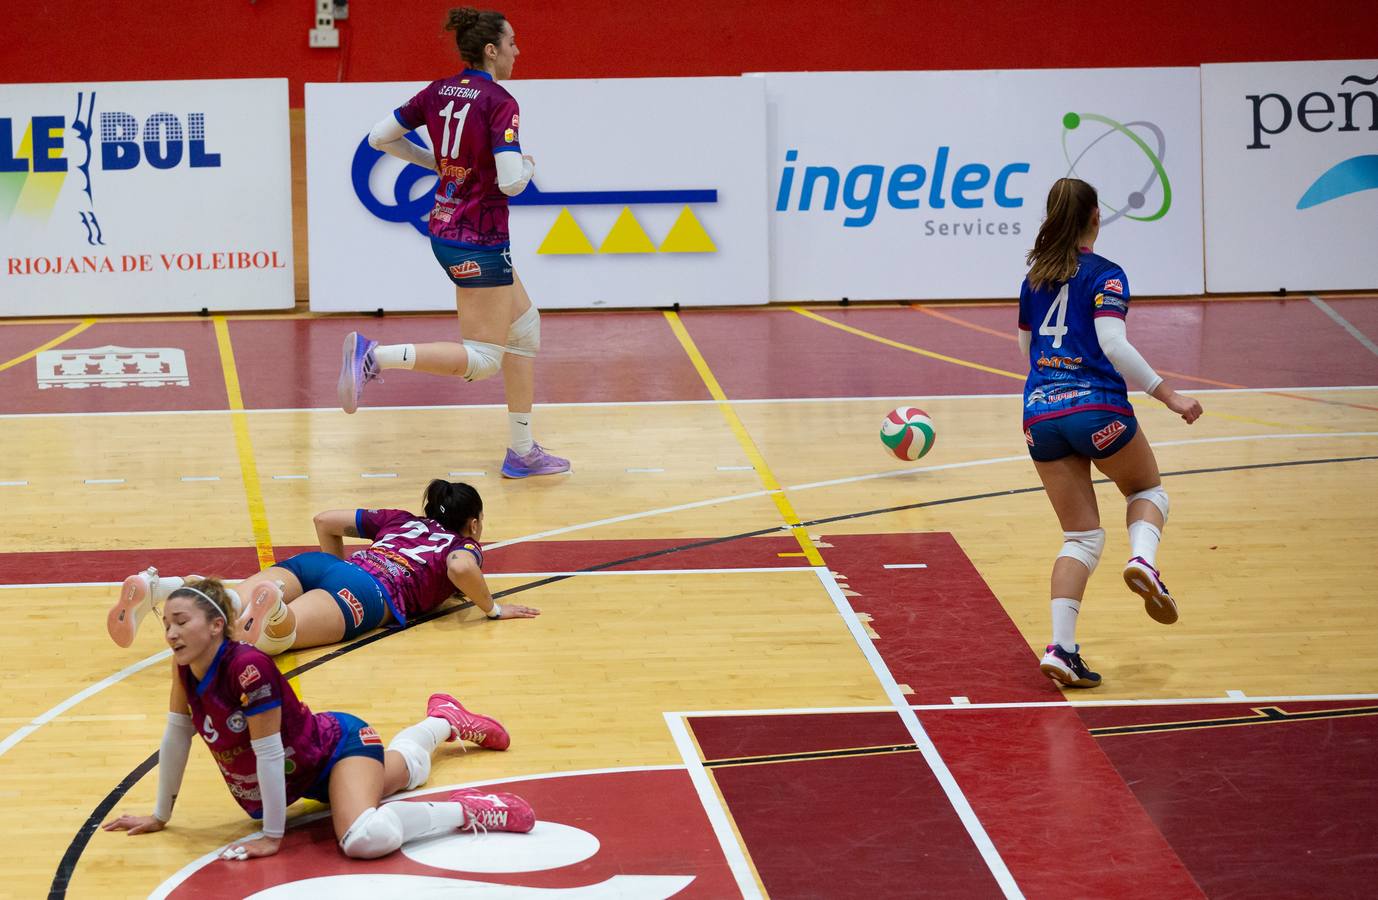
(272, 750)
(412, 566)
(473, 124)
(1072, 309)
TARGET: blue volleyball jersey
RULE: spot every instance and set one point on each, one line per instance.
(1068, 373)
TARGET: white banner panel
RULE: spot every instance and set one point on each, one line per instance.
(127, 197)
(648, 192)
(916, 185)
(1291, 170)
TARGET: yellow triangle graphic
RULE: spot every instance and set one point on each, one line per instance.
(687, 236)
(565, 237)
(627, 236)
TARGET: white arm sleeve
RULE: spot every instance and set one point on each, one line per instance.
(1122, 355)
(172, 762)
(390, 136)
(272, 782)
(1025, 338)
(514, 171)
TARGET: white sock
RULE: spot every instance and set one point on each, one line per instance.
(1065, 611)
(395, 356)
(429, 733)
(519, 424)
(1143, 541)
(421, 820)
(165, 586)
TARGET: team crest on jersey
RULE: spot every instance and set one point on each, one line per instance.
(249, 676)
(1107, 435)
(466, 269)
(1113, 285)
(236, 722)
(356, 609)
(368, 736)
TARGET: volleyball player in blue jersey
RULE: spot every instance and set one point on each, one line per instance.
(1072, 309)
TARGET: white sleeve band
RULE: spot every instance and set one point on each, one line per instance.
(172, 762)
(497, 611)
(1122, 355)
(390, 136)
(1025, 339)
(272, 782)
(514, 171)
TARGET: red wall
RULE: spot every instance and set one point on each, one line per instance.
(401, 40)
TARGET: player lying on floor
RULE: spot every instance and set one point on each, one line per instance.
(413, 564)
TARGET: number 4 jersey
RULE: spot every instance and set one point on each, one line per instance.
(469, 118)
(409, 557)
(1068, 373)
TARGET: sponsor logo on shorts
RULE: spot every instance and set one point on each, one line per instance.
(356, 609)
(1028, 437)
(236, 722)
(1113, 285)
(368, 736)
(1107, 435)
(466, 269)
(249, 676)
(509, 135)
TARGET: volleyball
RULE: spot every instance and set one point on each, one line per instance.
(907, 432)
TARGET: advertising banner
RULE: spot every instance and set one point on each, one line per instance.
(647, 192)
(130, 197)
(918, 185)
(1291, 175)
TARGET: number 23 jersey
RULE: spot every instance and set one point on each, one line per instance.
(1068, 372)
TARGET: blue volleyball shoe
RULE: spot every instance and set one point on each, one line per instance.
(357, 369)
(1067, 668)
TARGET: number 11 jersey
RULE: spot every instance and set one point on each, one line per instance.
(1068, 372)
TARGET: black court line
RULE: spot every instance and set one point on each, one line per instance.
(815, 754)
(67, 866)
(1264, 715)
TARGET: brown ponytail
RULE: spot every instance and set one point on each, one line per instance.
(474, 31)
(1053, 258)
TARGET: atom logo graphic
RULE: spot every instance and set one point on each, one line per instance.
(1134, 200)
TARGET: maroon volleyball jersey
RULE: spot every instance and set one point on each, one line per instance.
(470, 118)
(410, 558)
(241, 682)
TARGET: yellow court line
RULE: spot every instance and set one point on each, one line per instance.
(71, 332)
(248, 469)
(899, 346)
(753, 453)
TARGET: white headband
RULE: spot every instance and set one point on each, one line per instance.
(204, 596)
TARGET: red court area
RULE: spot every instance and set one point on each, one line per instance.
(633, 356)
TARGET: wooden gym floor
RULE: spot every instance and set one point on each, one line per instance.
(771, 660)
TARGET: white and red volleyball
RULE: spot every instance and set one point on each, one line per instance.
(907, 432)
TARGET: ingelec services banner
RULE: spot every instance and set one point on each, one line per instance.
(123, 197)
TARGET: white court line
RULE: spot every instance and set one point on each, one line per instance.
(13, 483)
(644, 471)
(377, 474)
(736, 468)
(1235, 695)
(466, 474)
(602, 572)
(41, 720)
(921, 740)
(200, 477)
(105, 481)
(291, 477)
(758, 401)
(1345, 324)
(906, 565)
(717, 816)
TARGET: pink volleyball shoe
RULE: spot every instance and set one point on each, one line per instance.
(1143, 580)
(494, 812)
(485, 731)
(136, 601)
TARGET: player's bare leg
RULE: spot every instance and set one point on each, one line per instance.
(1067, 482)
(1134, 469)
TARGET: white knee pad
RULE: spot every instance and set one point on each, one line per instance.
(1083, 546)
(1155, 495)
(485, 360)
(377, 832)
(418, 760)
(524, 337)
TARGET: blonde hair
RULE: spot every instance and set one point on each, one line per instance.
(1053, 258)
(210, 594)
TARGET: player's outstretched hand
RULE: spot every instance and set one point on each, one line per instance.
(1186, 407)
(135, 824)
(264, 846)
(517, 611)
